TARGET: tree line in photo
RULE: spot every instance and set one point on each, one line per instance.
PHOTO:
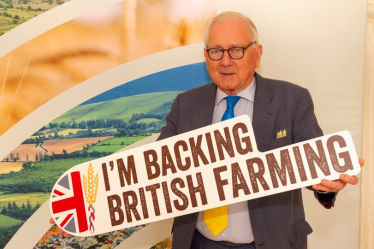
(22, 213)
(122, 128)
(41, 170)
(20, 7)
(44, 168)
(40, 178)
(6, 233)
(40, 157)
(44, 157)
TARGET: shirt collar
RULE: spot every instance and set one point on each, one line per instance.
(247, 93)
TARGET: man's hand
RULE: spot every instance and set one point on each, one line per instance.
(337, 185)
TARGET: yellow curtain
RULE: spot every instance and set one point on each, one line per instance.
(367, 186)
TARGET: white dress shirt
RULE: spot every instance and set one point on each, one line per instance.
(239, 228)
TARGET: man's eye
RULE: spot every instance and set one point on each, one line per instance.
(235, 50)
(215, 51)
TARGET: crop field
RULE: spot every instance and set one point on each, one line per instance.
(6, 167)
(7, 23)
(33, 184)
(61, 133)
(6, 221)
(115, 144)
(23, 151)
(70, 145)
(121, 108)
(148, 120)
(74, 131)
(108, 148)
(20, 198)
(23, 10)
(68, 131)
(37, 179)
(46, 131)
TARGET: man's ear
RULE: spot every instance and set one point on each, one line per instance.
(205, 55)
(206, 58)
(258, 54)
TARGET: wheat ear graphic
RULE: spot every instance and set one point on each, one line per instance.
(90, 186)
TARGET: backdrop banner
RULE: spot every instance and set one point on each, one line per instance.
(206, 168)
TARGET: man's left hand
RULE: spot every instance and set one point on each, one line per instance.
(337, 185)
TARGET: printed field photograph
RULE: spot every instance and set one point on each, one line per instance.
(23, 199)
(91, 44)
(98, 127)
(16, 12)
(62, 133)
(23, 153)
(58, 146)
(6, 221)
(67, 55)
(114, 144)
(6, 167)
(122, 108)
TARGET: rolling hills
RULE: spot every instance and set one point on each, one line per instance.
(6, 221)
(121, 108)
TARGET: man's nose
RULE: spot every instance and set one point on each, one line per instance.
(226, 59)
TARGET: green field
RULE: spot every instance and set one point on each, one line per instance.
(34, 198)
(110, 130)
(122, 108)
(6, 221)
(6, 22)
(25, 10)
(74, 131)
(61, 133)
(148, 120)
(68, 131)
(115, 144)
(39, 178)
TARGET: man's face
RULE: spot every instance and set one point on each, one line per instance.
(232, 76)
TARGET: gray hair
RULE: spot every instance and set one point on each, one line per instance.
(231, 15)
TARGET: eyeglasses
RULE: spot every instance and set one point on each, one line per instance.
(235, 53)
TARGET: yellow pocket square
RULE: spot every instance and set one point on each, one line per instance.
(281, 134)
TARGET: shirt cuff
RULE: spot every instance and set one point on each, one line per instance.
(327, 199)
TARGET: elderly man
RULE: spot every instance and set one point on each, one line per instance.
(232, 55)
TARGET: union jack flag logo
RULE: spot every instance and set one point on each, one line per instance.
(68, 205)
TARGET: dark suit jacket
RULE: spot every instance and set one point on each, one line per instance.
(277, 221)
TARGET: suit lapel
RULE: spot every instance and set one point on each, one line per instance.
(203, 111)
(264, 113)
